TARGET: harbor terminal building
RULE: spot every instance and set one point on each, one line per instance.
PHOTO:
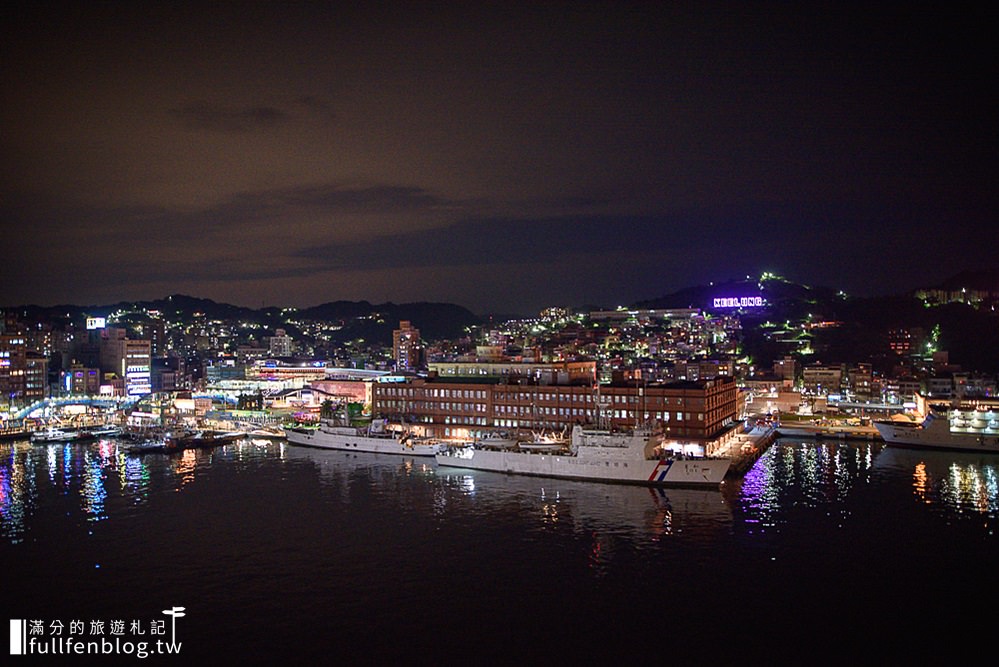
(700, 413)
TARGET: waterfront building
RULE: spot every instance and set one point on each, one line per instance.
(13, 368)
(406, 347)
(467, 408)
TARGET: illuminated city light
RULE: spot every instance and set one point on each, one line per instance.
(739, 302)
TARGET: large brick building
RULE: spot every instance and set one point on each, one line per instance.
(470, 408)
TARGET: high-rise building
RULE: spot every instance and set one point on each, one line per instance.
(36, 377)
(136, 365)
(280, 344)
(153, 330)
(13, 369)
(128, 359)
(406, 347)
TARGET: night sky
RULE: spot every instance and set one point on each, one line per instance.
(504, 156)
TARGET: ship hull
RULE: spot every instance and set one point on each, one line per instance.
(673, 472)
(360, 443)
(921, 438)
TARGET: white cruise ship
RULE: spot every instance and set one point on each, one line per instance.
(374, 438)
(965, 430)
(634, 457)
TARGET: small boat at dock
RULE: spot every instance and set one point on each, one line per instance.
(57, 434)
(177, 441)
(103, 431)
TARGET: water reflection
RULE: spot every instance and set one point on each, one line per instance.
(957, 481)
(805, 474)
(133, 477)
(97, 474)
(102, 480)
(794, 475)
(15, 494)
(603, 518)
(588, 507)
(92, 491)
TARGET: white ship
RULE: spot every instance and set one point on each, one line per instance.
(374, 438)
(634, 457)
(56, 434)
(965, 430)
(105, 431)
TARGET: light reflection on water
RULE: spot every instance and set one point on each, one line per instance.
(91, 472)
(791, 474)
(92, 490)
(795, 474)
(284, 539)
(955, 483)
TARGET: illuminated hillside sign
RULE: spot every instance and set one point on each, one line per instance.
(740, 302)
(95, 323)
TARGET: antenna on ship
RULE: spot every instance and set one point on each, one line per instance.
(641, 404)
(597, 414)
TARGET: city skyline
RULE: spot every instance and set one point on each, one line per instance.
(504, 158)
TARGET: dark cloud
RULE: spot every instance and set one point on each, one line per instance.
(469, 151)
(502, 241)
(202, 116)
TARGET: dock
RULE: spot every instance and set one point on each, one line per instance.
(745, 448)
(828, 432)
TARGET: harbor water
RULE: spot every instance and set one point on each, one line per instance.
(822, 551)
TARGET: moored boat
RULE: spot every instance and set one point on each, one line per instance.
(375, 438)
(943, 430)
(189, 439)
(57, 434)
(179, 440)
(635, 457)
(104, 431)
(267, 432)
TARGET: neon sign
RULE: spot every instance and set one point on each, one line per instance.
(739, 302)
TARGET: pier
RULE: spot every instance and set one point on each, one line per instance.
(746, 447)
